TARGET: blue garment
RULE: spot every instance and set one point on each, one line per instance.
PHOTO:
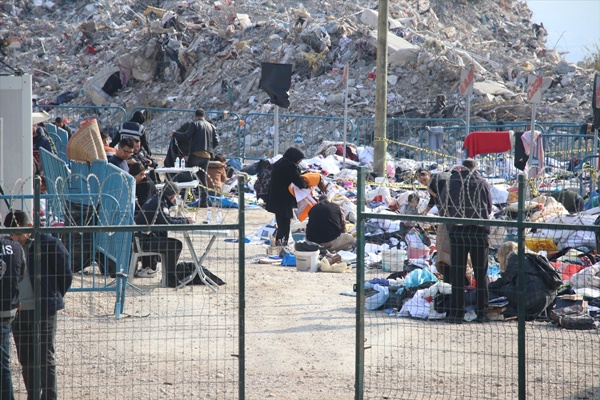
(6, 388)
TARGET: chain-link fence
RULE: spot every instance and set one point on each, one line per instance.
(483, 316)
(169, 342)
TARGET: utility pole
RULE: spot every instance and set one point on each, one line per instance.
(380, 145)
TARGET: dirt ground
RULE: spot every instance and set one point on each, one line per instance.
(299, 341)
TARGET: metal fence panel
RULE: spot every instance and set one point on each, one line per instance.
(302, 131)
(160, 121)
(109, 117)
(411, 138)
(175, 343)
(421, 356)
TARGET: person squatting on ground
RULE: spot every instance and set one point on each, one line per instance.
(203, 140)
(12, 262)
(156, 212)
(56, 277)
(539, 295)
(133, 128)
(279, 199)
(467, 195)
(327, 226)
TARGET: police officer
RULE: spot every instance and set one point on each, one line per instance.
(11, 268)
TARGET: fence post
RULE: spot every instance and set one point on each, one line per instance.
(359, 372)
(521, 289)
(37, 286)
(242, 289)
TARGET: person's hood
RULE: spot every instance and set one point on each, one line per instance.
(293, 154)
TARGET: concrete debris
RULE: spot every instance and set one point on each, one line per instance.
(177, 54)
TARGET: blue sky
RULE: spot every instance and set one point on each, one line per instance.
(571, 25)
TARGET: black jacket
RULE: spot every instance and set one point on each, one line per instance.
(285, 171)
(325, 222)
(11, 268)
(538, 297)
(56, 272)
(466, 195)
(202, 135)
(144, 191)
(156, 212)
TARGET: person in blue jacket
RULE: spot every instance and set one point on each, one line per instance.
(56, 278)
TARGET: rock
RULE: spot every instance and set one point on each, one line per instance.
(564, 68)
(489, 87)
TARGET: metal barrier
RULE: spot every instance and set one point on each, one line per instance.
(109, 117)
(181, 343)
(409, 358)
(411, 138)
(302, 131)
(160, 121)
(560, 128)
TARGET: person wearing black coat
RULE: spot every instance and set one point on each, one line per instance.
(156, 212)
(203, 139)
(56, 279)
(467, 195)
(279, 199)
(539, 295)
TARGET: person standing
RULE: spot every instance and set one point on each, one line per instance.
(133, 128)
(56, 278)
(279, 199)
(467, 195)
(203, 140)
(327, 226)
(12, 261)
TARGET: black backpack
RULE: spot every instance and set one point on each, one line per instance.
(184, 269)
(549, 274)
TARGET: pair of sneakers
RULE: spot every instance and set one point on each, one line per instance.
(146, 272)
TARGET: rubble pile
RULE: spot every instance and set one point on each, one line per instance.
(187, 54)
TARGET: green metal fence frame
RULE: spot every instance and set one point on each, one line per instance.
(301, 131)
(159, 131)
(519, 224)
(38, 229)
(77, 114)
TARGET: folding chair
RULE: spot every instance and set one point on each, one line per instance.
(136, 254)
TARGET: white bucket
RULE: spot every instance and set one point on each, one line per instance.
(307, 260)
(392, 260)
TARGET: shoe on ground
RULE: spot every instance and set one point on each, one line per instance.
(145, 273)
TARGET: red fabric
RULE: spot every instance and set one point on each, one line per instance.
(568, 270)
(487, 142)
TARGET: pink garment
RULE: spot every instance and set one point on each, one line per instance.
(535, 171)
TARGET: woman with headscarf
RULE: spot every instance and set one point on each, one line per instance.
(279, 199)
